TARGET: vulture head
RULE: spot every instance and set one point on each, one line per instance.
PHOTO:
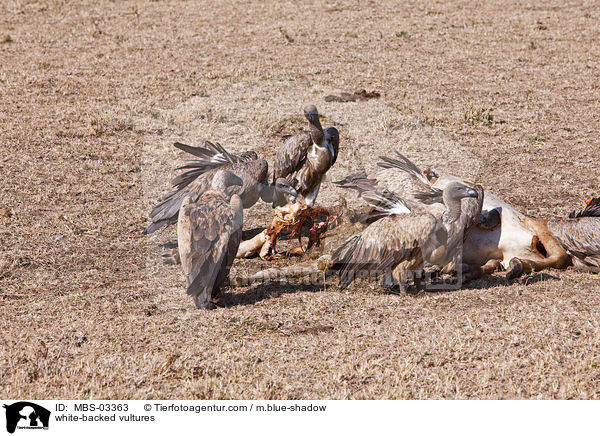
(453, 194)
(316, 131)
(283, 185)
(456, 191)
(312, 114)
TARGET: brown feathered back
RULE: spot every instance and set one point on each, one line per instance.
(209, 233)
(291, 155)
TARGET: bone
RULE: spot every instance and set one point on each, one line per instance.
(252, 247)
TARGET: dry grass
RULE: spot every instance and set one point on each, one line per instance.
(94, 93)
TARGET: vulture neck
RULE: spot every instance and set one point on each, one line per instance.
(237, 207)
(453, 209)
(267, 192)
(316, 132)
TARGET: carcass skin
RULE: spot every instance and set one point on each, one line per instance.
(513, 242)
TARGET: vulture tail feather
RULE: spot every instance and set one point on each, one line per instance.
(358, 181)
(592, 209)
(403, 164)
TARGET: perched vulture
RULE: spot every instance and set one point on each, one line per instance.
(303, 159)
(210, 159)
(404, 239)
(209, 231)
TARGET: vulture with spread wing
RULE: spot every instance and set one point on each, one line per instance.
(405, 237)
(400, 176)
(199, 175)
(406, 181)
(209, 231)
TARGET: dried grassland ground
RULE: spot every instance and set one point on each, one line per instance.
(92, 94)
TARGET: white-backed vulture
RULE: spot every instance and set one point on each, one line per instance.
(209, 231)
(404, 240)
(210, 159)
(303, 159)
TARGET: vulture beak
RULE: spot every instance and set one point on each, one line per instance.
(470, 192)
(282, 185)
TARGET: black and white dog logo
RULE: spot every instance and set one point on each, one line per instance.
(26, 415)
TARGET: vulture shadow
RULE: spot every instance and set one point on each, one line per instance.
(493, 281)
(264, 291)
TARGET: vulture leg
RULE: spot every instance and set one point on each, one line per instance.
(170, 256)
(407, 270)
(555, 256)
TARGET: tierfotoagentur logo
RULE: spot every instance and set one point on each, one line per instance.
(26, 415)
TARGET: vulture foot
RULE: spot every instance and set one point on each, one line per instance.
(170, 256)
(411, 284)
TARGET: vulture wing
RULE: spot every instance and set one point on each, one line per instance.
(291, 155)
(333, 132)
(252, 172)
(166, 212)
(210, 156)
(581, 238)
(407, 180)
(385, 244)
(592, 209)
(359, 181)
(404, 164)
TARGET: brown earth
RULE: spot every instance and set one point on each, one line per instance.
(92, 95)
